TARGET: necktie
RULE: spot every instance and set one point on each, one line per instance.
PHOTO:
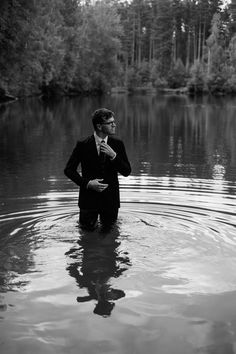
(101, 153)
(102, 157)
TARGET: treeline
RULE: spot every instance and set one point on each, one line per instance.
(71, 47)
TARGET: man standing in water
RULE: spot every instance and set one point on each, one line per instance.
(101, 157)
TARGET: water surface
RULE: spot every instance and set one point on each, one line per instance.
(163, 280)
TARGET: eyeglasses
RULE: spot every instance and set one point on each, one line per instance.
(109, 123)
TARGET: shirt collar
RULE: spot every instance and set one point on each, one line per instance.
(98, 139)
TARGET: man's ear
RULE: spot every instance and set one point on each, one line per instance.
(99, 127)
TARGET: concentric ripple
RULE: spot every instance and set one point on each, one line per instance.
(179, 230)
(168, 266)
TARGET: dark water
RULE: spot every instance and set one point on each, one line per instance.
(163, 281)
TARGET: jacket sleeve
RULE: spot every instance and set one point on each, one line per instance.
(121, 161)
(72, 165)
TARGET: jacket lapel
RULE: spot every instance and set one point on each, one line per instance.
(92, 148)
(110, 142)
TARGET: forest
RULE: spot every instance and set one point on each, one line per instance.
(70, 47)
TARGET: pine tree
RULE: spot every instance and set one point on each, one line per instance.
(163, 37)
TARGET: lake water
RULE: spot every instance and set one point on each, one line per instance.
(163, 281)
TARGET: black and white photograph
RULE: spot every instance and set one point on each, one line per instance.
(118, 176)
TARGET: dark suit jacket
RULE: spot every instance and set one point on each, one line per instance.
(85, 154)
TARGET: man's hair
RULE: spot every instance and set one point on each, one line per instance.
(101, 115)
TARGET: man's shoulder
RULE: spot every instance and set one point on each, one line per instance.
(85, 140)
(115, 139)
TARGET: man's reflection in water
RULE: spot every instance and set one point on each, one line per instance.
(97, 259)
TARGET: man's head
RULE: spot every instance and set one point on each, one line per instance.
(104, 122)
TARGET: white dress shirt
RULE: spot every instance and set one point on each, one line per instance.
(98, 141)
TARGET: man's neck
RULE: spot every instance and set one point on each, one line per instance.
(101, 135)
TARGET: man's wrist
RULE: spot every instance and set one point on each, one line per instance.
(113, 157)
(89, 182)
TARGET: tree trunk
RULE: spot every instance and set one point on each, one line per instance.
(204, 38)
(150, 55)
(188, 51)
(194, 45)
(199, 42)
(209, 62)
(139, 48)
(133, 44)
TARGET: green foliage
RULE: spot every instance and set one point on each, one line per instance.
(143, 75)
(156, 77)
(133, 79)
(164, 34)
(230, 84)
(18, 65)
(232, 51)
(214, 74)
(146, 75)
(197, 81)
(215, 50)
(71, 13)
(177, 75)
(68, 46)
(216, 83)
(99, 46)
(222, 81)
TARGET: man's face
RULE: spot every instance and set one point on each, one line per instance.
(108, 127)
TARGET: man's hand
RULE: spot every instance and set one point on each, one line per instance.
(96, 185)
(108, 150)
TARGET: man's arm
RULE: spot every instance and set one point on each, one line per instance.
(72, 165)
(121, 161)
(71, 172)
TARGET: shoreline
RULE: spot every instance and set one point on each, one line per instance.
(8, 98)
